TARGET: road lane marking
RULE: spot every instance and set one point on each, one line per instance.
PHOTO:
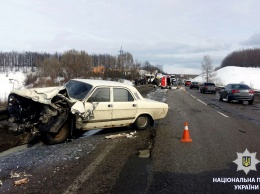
(85, 175)
(201, 101)
(192, 96)
(223, 114)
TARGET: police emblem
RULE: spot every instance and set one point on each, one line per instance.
(246, 161)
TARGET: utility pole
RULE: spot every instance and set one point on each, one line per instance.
(121, 60)
(121, 51)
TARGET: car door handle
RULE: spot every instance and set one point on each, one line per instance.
(110, 105)
(134, 105)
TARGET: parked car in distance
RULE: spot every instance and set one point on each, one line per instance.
(79, 105)
(187, 83)
(207, 87)
(194, 85)
(239, 92)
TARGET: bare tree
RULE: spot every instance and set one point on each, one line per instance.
(207, 68)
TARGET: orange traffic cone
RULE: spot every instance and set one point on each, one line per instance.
(186, 134)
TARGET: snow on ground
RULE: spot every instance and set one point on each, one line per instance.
(10, 81)
(231, 74)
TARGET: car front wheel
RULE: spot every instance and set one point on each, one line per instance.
(60, 136)
(142, 122)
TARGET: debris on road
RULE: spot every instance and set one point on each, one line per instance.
(144, 153)
(1, 183)
(21, 181)
(18, 175)
(122, 135)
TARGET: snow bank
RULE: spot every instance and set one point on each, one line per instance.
(231, 74)
(10, 81)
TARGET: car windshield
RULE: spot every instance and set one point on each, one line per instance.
(78, 90)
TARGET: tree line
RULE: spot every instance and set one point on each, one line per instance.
(242, 58)
(74, 64)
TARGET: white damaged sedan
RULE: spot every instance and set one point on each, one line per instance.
(80, 105)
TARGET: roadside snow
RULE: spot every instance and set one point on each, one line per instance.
(231, 74)
(10, 81)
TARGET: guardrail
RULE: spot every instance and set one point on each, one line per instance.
(4, 114)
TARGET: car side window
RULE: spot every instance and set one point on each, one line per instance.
(100, 95)
(122, 95)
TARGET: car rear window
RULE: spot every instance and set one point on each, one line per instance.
(209, 84)
(239, 86)
(122, 95)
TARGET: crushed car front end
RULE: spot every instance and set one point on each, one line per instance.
(38, 110)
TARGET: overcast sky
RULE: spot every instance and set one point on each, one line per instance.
(173, 33)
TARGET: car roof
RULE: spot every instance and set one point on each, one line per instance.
(237, 84)
(96, 82)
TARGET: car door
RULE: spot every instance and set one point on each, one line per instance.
(124, 107)
(102, 111)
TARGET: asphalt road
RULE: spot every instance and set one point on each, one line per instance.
(93, 164)
(218, 131)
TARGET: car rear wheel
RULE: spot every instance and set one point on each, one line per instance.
(60, 136)
(220, 98)
(228, 98)
(142, 122)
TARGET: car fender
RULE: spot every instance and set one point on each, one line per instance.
(83, 109)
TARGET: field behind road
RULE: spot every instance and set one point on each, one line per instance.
(190, 167)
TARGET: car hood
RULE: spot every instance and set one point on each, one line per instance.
(42, 95)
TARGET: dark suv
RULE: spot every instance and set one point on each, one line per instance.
(194, 85)
(208, 87)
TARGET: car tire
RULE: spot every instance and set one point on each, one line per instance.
(142, 122)
(228, 99)
(220, 98)
(250, 102)
(60, 136)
